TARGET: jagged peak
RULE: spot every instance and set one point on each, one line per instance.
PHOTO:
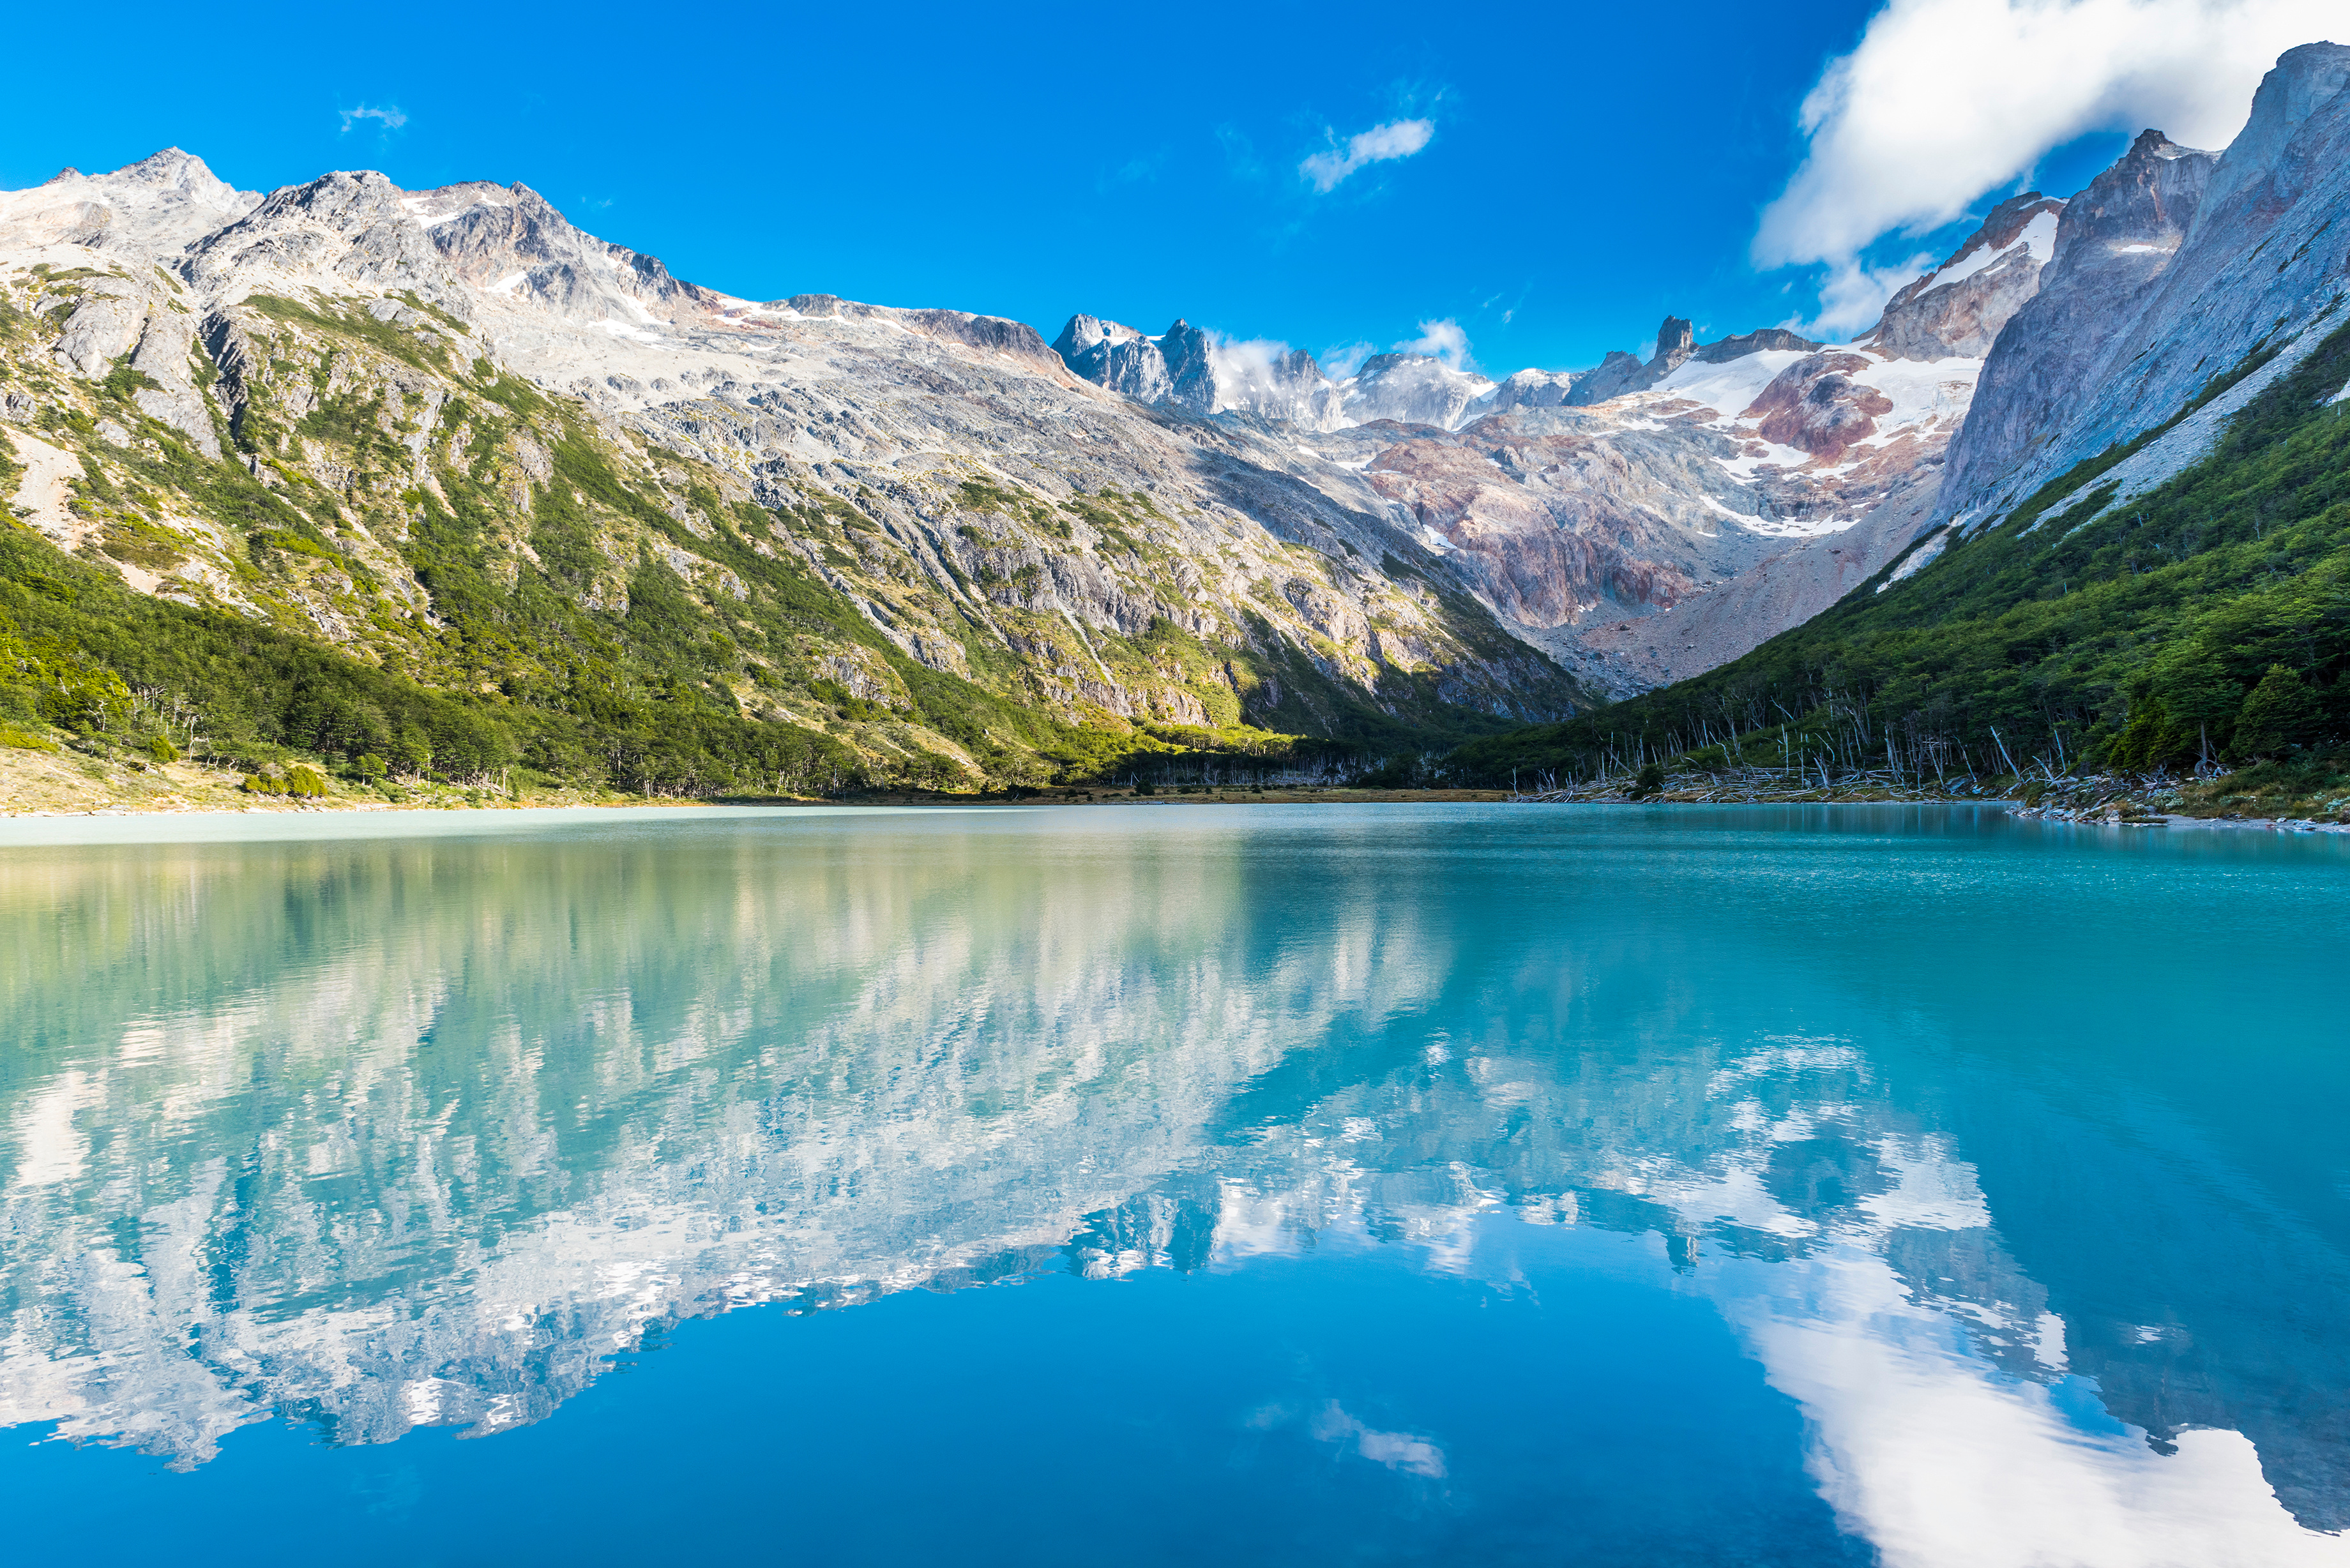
(172, 166)
(1677, 336)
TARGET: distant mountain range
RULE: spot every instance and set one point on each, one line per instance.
(472, 451)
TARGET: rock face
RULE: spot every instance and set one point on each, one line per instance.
(2112, 245)
(1114, 356)
(2174, 271)
(1959, 307)
(1820, 405)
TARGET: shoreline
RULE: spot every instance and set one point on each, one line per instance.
(62, 787)
(391, 813)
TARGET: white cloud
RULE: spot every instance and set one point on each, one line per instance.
(1946, 100)
(1396, 138)
(1853, 295)
(1344, 360)
(1244, 368)
(1442, 340)
(389, 117)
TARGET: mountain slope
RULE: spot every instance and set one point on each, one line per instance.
(2202, 623)
(2142, 551)
(645, 534)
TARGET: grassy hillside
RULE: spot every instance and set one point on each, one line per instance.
(2204, 623)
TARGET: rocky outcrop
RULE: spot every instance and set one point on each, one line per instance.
(2190, 270)
(2112, 242)
(102, 328)
(1959, 307)
(1620, 373)
(164, 355)
(1116, 357)
(1817, 406)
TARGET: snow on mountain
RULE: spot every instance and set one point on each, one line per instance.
(1414, 389)
(1590, 508)
(1958, 309)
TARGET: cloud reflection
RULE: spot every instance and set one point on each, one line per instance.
(416, 1134)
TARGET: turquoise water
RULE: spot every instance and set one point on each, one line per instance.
(1170, 1185)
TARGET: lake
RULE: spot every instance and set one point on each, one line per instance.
(1174, 1184)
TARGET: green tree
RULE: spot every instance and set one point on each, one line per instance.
(2282, 713)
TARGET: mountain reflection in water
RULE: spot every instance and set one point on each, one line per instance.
(2038, 1224)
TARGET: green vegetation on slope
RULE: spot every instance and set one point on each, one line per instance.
(595, 613)
(2207, 621)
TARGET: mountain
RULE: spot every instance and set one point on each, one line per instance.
(2137, 557)
(434, 482)
(1646, 519)
(437, 479)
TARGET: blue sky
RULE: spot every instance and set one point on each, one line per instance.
(1554, 178)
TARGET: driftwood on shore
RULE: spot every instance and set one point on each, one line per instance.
(2126, 800)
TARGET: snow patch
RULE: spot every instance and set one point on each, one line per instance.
(1799, 527)
(1773, 454)
(2040, 235)
(1922, 389)
(2038, 238)
(1918, 557)
(1728, 388)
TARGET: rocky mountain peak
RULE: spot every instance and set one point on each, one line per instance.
(2303, 80)
(1621, 373)
(2148, 197)
(153, 208)
(174, 169)
(1958, 309)
(1412, 389)
(1534, 390)
(1675, 339)
(1762, 341)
